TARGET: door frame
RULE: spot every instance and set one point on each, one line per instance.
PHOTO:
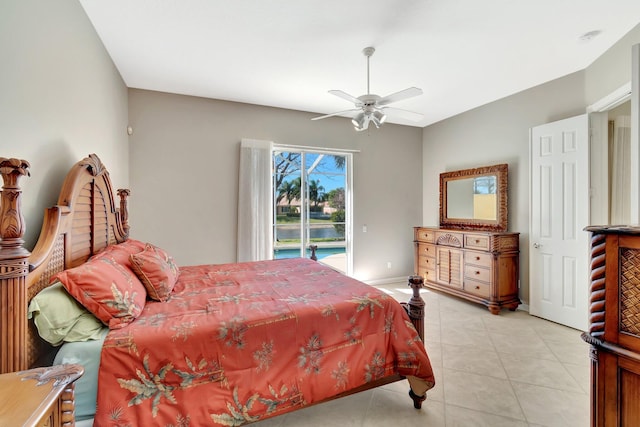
(348, 154)
(599, 155)
(628, 91)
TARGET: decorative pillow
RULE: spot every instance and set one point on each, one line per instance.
(121, 252)
(156, 270)
(59, 318)
(107, 289)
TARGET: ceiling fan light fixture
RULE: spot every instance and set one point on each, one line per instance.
(379, 117)
(369, 106)
(358, 121)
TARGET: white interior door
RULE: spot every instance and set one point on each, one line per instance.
(559, 252)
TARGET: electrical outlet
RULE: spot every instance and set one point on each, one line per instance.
(388, 264)
(364, 228)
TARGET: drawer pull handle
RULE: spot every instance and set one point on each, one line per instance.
(477, 241)
(477, 272)
(477, 258)
(477, 287)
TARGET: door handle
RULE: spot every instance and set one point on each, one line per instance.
(537, 245)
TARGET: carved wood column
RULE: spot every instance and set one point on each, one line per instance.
(13, 268)
(124, 211)
(415, 306)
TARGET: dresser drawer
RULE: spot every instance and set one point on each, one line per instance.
(482, 259)
(429, 275)
(477, 288)
(427, 263)
(477, 273)
(449, 238)
(476, 241)
(426, 250)
(426, 273)
(425, 235)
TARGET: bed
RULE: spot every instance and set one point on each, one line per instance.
(225, 344)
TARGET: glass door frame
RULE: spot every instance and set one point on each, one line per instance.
(305, 211)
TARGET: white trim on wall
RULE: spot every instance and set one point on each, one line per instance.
(317, 149)
(599, 149)
(615, 98)
(635, 134)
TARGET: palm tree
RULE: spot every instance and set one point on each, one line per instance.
(316, 192)
(286, 190)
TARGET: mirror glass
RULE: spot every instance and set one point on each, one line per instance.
(474, 198)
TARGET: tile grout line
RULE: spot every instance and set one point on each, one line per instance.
(513, 390)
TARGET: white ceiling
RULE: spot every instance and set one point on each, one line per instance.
(289, 53)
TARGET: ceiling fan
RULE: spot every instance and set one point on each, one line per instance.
(372, 108)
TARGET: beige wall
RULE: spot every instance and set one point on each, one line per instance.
(184, 177)
(499, 133)
(61, 98)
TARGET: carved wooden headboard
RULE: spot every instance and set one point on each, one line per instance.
(83, 222)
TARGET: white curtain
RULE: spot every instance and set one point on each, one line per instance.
(621, 171)
(255, 215)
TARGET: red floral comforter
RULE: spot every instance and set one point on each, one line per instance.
(237, 343)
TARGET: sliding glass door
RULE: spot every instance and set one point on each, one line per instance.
(312, 205)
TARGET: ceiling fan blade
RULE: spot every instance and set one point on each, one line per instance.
(345, 95)
(405, 114)
(337, 113)
(399, 96)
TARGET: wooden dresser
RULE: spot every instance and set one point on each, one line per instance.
(614, 326)
(479, 266)
(40, 397)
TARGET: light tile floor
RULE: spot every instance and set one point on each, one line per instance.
(496, 371)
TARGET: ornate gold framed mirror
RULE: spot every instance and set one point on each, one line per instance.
(474, 199)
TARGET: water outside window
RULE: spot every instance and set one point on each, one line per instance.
(310, 205)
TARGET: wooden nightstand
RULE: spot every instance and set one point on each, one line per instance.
(39, 397)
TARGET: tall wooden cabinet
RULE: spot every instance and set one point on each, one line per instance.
(614, 326)
(479, 266)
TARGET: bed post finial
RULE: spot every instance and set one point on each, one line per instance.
(124, 211)
(14, 268)
(415, 307)
(11, 220)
